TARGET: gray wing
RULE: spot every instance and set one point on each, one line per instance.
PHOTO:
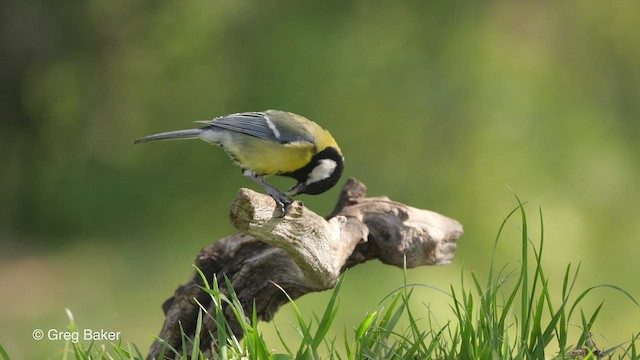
(257, 124)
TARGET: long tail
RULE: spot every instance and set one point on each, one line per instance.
(171, 135)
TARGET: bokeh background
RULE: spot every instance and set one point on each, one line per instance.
(445, 106)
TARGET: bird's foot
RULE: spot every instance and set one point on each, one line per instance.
(283, 204)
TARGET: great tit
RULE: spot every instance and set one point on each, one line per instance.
(272, 142)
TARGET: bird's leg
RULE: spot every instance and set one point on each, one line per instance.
(282, 200)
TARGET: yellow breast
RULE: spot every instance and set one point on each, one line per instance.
(266, 157)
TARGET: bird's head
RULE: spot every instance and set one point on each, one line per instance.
(321, 174)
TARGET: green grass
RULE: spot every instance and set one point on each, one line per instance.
(511, 315)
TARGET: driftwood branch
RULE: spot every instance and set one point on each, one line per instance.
(303, 252)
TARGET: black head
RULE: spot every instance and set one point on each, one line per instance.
(321, 174)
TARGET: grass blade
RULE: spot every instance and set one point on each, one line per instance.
(328, 316)
(4, 354)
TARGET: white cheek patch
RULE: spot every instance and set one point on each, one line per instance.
(322, 171)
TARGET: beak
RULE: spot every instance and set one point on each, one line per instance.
(299, 188)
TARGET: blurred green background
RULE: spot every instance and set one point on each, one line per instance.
(437, 105)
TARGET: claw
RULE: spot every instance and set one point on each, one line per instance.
(283, 202)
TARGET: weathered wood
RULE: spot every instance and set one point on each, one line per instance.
(302, 252)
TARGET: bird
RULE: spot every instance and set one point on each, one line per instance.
(272, 142)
